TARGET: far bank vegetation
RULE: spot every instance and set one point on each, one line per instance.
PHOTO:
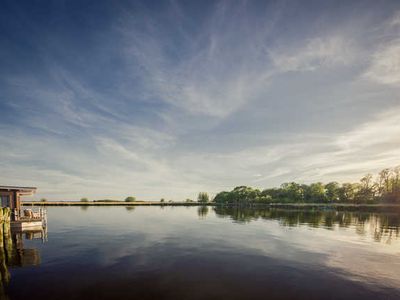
(383, 188)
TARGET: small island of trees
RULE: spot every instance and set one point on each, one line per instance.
(130, 199)
(385, 188)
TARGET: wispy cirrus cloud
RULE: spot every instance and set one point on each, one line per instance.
(316, 53)
(385, 64)
(212, 73)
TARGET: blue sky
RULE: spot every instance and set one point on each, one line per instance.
(106, 99)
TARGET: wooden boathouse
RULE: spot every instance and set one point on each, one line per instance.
(10, 196)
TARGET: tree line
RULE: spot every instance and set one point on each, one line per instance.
(383, 188)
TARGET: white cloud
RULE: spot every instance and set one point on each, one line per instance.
(381, 130)
(395, 21)
(215, 95)
(212, 73)
(316, 53)
(367, 148)
(385, 64)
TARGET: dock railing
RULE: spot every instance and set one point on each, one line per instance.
(31, 215)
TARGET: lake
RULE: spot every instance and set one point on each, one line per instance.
(206, 253)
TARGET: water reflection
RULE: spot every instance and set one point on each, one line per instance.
(383, 227)
(202, 211)
(172, 253)
(14, 254)
(130, 208)
(84, 207)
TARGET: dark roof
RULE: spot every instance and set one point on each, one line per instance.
(24, 190)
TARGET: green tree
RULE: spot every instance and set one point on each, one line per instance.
(317, 192)
(203, 197)
(222, 198)
(84, 200)
(389, 185)
(272, 195)
(396, 184)
(332, 192)
(244, 194)
(130, 199)
(347, 192)
(366, 192)
(43, 200)
(292, 192)
(384, 178)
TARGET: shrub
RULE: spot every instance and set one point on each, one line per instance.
(130, 199)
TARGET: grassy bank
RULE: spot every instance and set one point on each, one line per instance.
(111, 203)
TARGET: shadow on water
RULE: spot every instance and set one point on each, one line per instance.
(13, 254)
(382, 226)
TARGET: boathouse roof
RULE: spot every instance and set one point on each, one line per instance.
(22, 190)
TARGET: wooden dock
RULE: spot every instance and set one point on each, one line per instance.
(36, 221)
(29, 224)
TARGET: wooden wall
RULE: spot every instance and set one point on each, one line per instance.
(14, 198)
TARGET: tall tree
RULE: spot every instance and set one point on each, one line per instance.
(366, 192)
(317, 192)
(203, 197)
(332, 191)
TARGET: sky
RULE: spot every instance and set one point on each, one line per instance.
(164, 99)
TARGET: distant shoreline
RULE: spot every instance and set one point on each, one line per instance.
(296, 206)
(111, 203)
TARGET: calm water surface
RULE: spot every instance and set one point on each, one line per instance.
(207, 253)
